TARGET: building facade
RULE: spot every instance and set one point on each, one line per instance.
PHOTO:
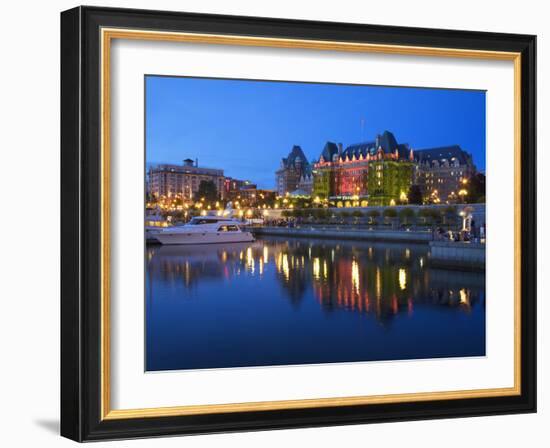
(324, 171)
(389, 180)
(442, 173)
(182, 181)
(305, 184)
(346, 173)
(292, 168)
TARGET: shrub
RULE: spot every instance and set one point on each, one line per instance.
(406, 215)
(430, 215)
(320, 213)
(357, 214)
(449, 214)
(373, 215)
(286, 213)
(390, 213)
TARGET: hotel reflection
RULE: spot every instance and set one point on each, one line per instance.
(379, 280)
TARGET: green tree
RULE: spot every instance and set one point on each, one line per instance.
(406, 215)
(320, 213)
(286, 213)
(476, 188)
(373, 216)
(207, 190)
(389, 214)
(449, 215)
(415, 195)
(430, 215)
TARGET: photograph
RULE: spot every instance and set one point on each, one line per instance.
(296, 223)
(284, 221)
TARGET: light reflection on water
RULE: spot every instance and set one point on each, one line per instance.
(301, 301)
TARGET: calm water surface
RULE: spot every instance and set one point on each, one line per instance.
(303, 301)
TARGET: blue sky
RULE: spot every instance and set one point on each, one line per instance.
(246, 127)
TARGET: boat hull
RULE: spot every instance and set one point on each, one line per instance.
(203, 238)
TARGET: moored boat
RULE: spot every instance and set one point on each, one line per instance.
(205, 230)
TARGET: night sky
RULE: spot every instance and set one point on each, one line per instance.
(246, 127)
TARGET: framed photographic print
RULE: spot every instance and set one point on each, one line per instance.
(274, 223)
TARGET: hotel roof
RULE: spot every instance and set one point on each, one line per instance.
(443, 153)
(296, 154)
(386, 141)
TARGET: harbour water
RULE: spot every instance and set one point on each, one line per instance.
(282, 301)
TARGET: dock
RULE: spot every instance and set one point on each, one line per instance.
(342, 233)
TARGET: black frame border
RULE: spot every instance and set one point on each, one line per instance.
(81, 223)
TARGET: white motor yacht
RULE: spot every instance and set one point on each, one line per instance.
(205, 230)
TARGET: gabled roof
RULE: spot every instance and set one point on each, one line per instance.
(386, 141)
(295, 154)
(359, 149)
(329, 151)
(443, 153)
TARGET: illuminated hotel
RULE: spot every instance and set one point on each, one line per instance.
(378, 172)
(374, 172)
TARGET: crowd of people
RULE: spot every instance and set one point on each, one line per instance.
(475, 234)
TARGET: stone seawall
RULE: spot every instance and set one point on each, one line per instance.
(340, 234)
(457, 255)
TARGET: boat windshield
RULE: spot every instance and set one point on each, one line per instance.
(202, 220)
(228, 228)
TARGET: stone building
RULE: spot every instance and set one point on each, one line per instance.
(182, 181)
(442, 172)
(345, 173)
(305, 184)
(324, 171)
(292, 168)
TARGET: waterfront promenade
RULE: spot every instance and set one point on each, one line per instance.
(442, 254)
(346, 233)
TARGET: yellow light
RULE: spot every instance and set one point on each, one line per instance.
(402, 279)
(250, 260)
(285, 267)
(355, 276)
(392, 202)
(464, 297)
(378, 284)
(316, 268)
